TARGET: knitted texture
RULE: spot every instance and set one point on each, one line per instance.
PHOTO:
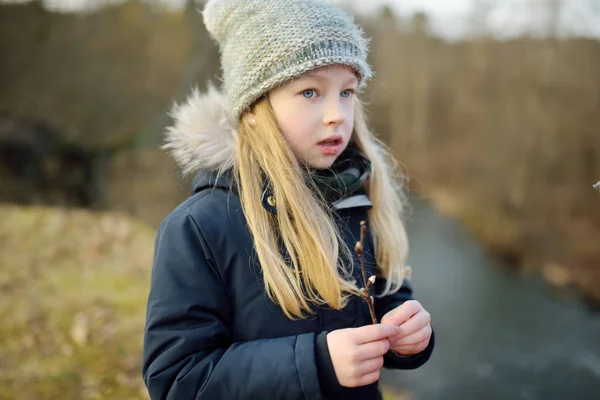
(265, 43)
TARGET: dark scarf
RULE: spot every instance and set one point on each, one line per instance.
(344, 178)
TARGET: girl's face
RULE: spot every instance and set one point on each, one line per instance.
(315, 107)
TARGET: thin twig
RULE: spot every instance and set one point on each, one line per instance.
(365, 292)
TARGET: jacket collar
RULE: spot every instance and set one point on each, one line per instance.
(209, 179)
(359, 199)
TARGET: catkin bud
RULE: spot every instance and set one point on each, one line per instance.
(358, 249)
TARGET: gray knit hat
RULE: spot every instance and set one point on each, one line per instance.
(265, 43)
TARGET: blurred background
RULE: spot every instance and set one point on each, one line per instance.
(492, 108)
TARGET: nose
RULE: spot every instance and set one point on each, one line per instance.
(333, 113)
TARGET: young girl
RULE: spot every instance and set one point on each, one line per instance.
(255, 288)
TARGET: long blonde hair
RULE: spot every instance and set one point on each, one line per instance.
(315, 264)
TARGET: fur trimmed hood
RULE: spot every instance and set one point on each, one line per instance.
(202, 135)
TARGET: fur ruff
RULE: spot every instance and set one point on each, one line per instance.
(202, 135)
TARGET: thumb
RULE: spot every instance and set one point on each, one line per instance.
(370, 333)
(397, 316)
(388, 318)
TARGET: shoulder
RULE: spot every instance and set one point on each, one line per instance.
(207, 226)
(206, 205)
(212, 213)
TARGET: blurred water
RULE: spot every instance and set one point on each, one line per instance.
(499, 335)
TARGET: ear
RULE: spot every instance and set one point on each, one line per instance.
(250, 118)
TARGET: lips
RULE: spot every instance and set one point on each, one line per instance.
(331, 141)
(331, 146)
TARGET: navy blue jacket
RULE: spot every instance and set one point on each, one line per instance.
(211, 331)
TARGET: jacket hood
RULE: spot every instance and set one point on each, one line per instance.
(202, 139)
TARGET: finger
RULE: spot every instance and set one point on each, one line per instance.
(417, 337)
(403, 312)
(371, 365)
(373, 349)
(415, 323)
(412, 349)
(369, 378)
(370, 333)
(387, 318)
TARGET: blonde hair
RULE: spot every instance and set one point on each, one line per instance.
(303, 257)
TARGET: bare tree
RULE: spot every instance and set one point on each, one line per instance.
(480, 16)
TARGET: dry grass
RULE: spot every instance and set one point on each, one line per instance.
(74, 287)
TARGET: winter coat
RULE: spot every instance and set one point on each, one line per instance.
(211, 331)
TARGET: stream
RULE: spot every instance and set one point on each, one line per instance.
(499, 334)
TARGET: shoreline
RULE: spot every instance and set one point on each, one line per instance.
(569, 275)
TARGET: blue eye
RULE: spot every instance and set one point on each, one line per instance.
(347, 93)
(309, 91)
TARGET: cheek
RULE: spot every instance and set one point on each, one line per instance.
(298, 125)
(297, 135)
(350, 118)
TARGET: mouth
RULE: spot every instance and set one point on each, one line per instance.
(331, 141)
(331, 146)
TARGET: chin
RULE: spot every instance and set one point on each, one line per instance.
(323, 163)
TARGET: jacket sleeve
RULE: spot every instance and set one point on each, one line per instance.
(387, 303)
(188, 350)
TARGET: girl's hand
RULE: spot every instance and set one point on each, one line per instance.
(414, 323)
(357, 353)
